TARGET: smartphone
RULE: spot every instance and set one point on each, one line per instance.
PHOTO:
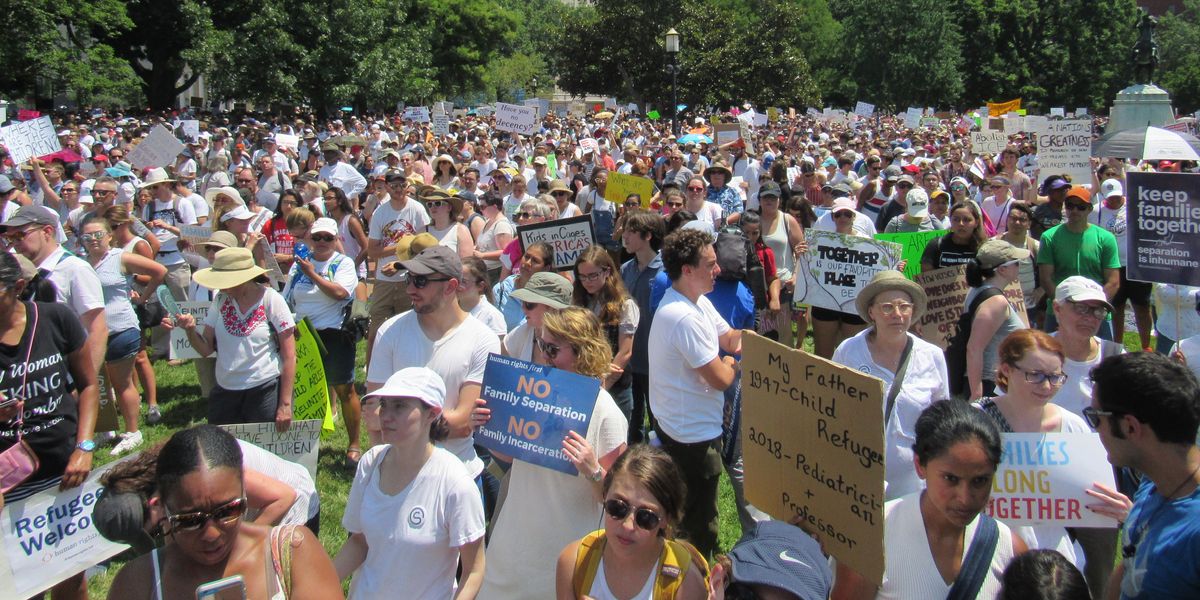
(229, 588)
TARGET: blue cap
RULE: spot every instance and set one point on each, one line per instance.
(782, 556)
(120, 170)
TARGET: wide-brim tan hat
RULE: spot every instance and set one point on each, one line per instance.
(888, 281)
(155, 176)
(231, 267)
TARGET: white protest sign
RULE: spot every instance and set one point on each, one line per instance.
(1065, 147)
(49, 537)
(190, 129)
(912, 118)
(759, 120)
(837, 267)
(1035, 123)
(484, 111)
(1058, 111)
(446, 107)
(1081, 112)
(29, 139)
(1013, 124)
(588, 145)
(288, 141)
(988, 143)
(631, 107)
(181, 347)
(1042, 478)
(864, 109)
(441, 124)
(159, 149)
(516, 119)
(610, 103)
(417, 114)
(195, 234)
(568, 237)
(299, 444)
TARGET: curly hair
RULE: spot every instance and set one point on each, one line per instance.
(579, 328)
(612, 296)
(683, 248)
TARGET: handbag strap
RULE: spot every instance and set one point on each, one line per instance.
(976, 561)
(25, 375)
(896, 383)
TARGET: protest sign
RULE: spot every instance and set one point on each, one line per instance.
(1065, 147)
(181, 348)
(516, 118)
(1042, 477)
(773, 114)
(653, 115)
(299, 444)
(288, 141)
(441, 124)
(724, 133)
(946, 290)
(50, 536)
(569, 238)
(485, 111)
(274, 271)
(445, 107)
(417, 114)
(930, 122)
(631, 107)
(195, 234)
(864, 109)
(988, 142)
(621, 186)
(747, 137)
(1035, 123)
(533, 408)
(837, 267)
(588, 145)
(190, 129)
(552, 165)
(158, 149)
(996, 109)
(1058, 111)
(913, 247)
(1016, 300)
(912, 118)
(1013, 124)
(813, 448)
(28, 139)
(1164, 219)
(610, 103)
(107, 418)
(310, 393)
(1081, 112)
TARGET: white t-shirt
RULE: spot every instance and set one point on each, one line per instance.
(388, 225)
(168, 248)
(413, 537)
(458, 358)
(487, 239)
(491, 316)
(76, 283)
(307, 504)
(925, 382)
(1114, 222)
(684, 336)
(862, 223)
(247, 355)
(1076, 393)
(1191, 352)
(199, 205)
(519, 342)
(309, 301)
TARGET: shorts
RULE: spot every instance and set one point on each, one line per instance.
(253, 405)
(826, 315)
(1136, 292)
(339, 356)
(123, 345)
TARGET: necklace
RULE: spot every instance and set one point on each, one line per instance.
(1130, 549)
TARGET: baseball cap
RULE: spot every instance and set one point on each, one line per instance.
(31, 214)
(906, 178)
(239, 212)
(1054, 182)
(324, 225)
(439, 259)
(413, 382)
(780, 555)
(1077, 288)
(550, 289)
(891, 173)
(6, 184)
(994, 253)
(1111, 188)
(918, 203)
(541, 160)
(843, 203)
(1080, 193)
(841, 190)
(121, 517)
(769, 188)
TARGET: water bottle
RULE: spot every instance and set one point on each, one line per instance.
(303, 252)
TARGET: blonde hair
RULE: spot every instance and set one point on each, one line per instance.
(580, 328)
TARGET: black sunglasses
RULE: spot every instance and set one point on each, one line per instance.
(1092, 416)
(550, 350)
(225, 515)
(619, 509)
(322, 238)
(420, 281)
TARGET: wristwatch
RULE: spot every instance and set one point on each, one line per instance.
(86, 445)
(598, 476)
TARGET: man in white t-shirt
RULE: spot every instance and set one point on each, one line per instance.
(400, 216)
(688, 377)
(437, 333)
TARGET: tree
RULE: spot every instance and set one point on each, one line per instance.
(1178, 64)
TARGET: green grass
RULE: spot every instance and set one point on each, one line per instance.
(182, 407)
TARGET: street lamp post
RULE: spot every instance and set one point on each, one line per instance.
(672, 43)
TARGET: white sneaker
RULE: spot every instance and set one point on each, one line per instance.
(129, 441)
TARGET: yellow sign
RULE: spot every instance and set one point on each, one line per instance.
(813, 446)
(621, 186)
(310, 393)
(999, 109)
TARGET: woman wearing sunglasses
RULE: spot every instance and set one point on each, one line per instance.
(696, 195)
(201, 492)
(545, 509)
(831, 327)
(643, 502)
(443, 213)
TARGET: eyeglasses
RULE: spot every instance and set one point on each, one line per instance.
(619, 510)
(95, 235)
(561, 193)
(597, 276)
(675, 204)
(435, 204)
(322, 238)
(890, 308)
(1038, 377)
(224, 515)
(420, 281)
(1092, 415)
(695, 188)
(1079, 206)
(550, 350)
(1084, 310)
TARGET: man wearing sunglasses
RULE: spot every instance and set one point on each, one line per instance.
(1146, 410)
(1078, 247)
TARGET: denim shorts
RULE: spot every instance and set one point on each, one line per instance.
(123, 345)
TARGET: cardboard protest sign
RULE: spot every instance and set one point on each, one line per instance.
(946, 289)
(158, 149)
(1016, 299)
(864, 109)
(516, 118)
(1065, 147)
(107, 418)
(837, 267)
(274, 271)
(996, 109)
(569, 238)
(310, 393)
(288, 141)
(913, 247)
(1164, 219)
(988, 142)
(299, 444)
(1042, 477)
(813, 448)
(533, 408)
(417, 114)
(181, 348)
(50, 536)
(28, 139)
(621, 186)
(724, 133)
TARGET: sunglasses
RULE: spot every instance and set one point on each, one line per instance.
(550, 350)
(561, 194)
(95, 235)
(435, 204)
(1092, 415)
(224, 515)
(842, 214)
(523, 215)
(1079, 207)
(322, 238)
(675, 204)
(420, 281)
(695, 188)
(96, 192)
(904, 186)
(644, 518)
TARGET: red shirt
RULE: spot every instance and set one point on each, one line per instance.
(277, 235)
(766, 256)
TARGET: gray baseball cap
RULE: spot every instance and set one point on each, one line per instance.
(438, 259)
(31, 214)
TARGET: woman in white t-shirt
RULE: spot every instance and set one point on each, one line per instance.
(696, 201)
(253, 326)
(414, 511)
(443, 214)
(496, 235)
(547, 509)
(475, 296)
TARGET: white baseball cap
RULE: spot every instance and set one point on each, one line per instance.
(1077, 288)
(413, 382)
(1110, 188)
(238, 212)
(324, 225)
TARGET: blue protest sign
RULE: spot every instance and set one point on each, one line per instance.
(533, 408)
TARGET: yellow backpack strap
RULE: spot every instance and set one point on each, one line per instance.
(587, 561)
(678, 557)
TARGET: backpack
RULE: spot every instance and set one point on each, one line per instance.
(677, 557)
(739, 262)
(956, 350)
